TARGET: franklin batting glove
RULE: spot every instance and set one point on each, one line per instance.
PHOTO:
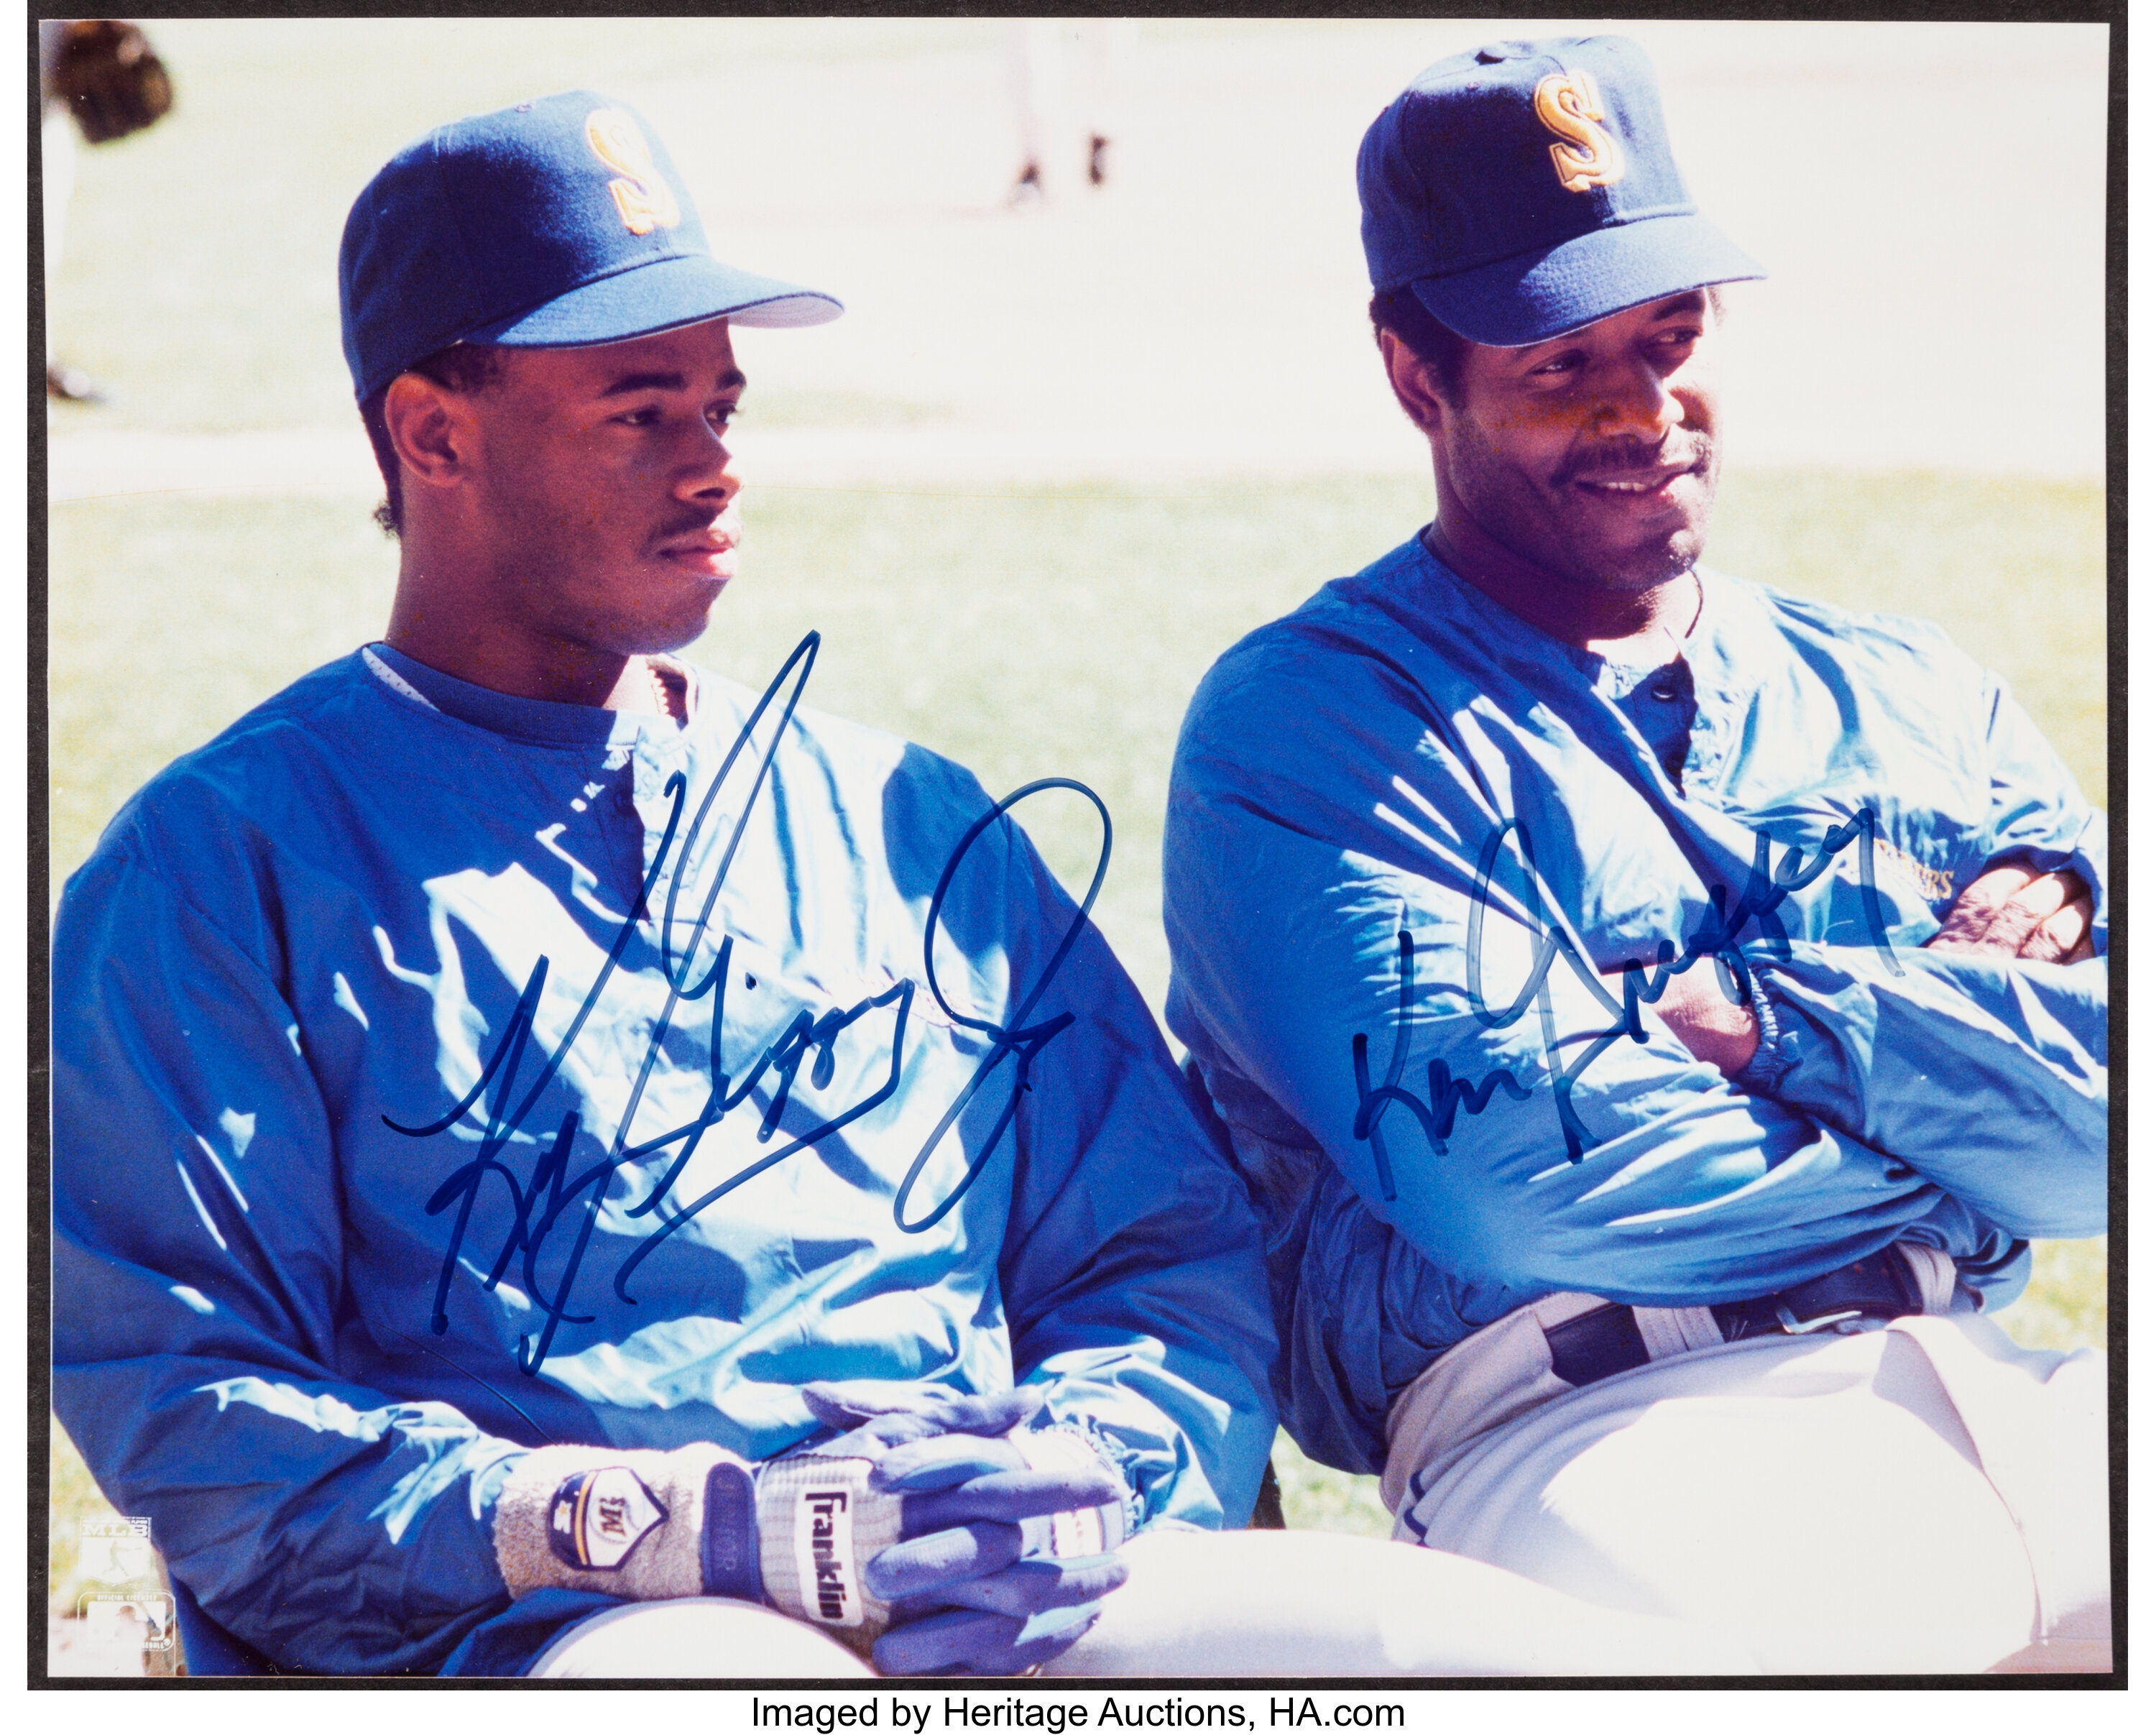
(983, 1581)
(796, 1531)
(1008, 1533)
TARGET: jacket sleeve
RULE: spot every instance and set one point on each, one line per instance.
(1132, 1276)
(1988, 1076)
(198, 1252)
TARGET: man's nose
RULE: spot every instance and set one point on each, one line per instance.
(1636, 402)
(709, 469)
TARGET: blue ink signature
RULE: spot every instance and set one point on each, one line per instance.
(1447, 1095)
(538, 1205)
(1717, 937)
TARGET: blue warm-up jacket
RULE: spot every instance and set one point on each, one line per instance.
(1409, 833)
(438, 1075)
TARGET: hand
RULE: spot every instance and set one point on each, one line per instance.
(1722, 1032)
(2014, 911)
(884, 1413)
(932, 1504)
(1007, 1540)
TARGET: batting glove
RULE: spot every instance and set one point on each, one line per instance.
(1007, 1535)
(797, 1532)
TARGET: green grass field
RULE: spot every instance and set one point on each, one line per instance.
(1029, 634)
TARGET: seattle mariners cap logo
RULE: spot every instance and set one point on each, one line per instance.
(641, 194)
(555, 223)
(1567, 104)
(1460, 207)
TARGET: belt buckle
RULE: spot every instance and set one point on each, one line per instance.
(1846, 1323)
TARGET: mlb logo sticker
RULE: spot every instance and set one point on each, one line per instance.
(113, 1622)
(598, 1516)
(116, 1551)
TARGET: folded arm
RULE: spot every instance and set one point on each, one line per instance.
(1482, 1094)
(1346, 939)
(1981, 1059)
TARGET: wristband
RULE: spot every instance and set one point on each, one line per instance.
(1082, 1531)
(795, 1532)
(626, 1523)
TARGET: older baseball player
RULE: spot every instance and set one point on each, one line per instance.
(1653, 1011)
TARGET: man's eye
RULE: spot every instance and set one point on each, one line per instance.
(722, 414)
(638, 418)
(1556, 365)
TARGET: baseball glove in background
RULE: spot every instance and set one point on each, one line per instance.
(111, 78)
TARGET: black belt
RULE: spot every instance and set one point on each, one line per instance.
(1606, 1340)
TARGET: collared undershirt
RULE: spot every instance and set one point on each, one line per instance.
(504, 713)
(1662, 706)
(1661, 699)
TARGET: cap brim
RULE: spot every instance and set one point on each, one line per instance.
(1533, 297)
(684, 289)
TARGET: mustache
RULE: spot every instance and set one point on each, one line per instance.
(695, 523)
(1623, 460)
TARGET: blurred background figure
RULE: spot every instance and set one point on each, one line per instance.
(100, 76)
(1055, 112)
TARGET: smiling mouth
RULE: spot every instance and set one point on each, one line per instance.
(1637, 482)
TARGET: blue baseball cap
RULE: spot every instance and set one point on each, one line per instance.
(552, 224)
(1526, 189)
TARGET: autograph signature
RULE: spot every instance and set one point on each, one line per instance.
(539, 1203)
(1717, 937)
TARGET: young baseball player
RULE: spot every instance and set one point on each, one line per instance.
(565, 1165)
(1653, 1012)
(544, 1132)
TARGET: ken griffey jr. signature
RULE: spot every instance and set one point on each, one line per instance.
(539, 1203)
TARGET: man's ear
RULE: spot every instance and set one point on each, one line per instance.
(432, 429)
(1414, 384)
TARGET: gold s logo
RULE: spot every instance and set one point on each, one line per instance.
(1567, 104)
(642, 195)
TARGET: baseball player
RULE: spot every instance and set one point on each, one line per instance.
(564, 1162)
(1653, 1011)
(1038, 56)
